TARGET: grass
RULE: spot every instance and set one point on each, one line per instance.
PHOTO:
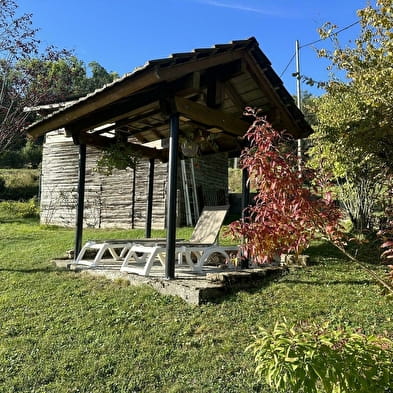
(20, 177)
(63, 333)
(19, 184)
(235, 180)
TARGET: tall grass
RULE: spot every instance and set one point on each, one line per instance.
(19, 177)
(18, 184)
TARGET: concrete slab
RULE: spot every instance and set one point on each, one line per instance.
(195, 288)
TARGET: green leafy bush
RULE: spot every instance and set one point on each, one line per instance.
(19, 193)
(120, 156)
(31, 154)
(18, 209)
(309, 358)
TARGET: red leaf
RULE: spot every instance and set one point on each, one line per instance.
(389, 243)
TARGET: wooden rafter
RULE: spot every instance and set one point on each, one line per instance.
(234, 96)
(275, 101)
(112, 114)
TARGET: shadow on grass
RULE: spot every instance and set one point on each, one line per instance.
(324, 250)
(322, 283)
(48, 269)
(367, 250)
(229, 292)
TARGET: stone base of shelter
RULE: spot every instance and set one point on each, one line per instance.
(195, 288)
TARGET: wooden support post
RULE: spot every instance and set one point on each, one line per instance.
(171, 196)
(245, 203)
(81, 200)
(133, 198)
(149, 210)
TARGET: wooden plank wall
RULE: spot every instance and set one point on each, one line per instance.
(108, 199)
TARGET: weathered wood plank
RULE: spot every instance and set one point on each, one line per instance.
(108, 199)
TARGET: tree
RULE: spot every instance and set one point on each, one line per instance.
(18, 44)
(364, 102)
(66, 78)
(100, 76)
(17, 37)
(364, 99)
(359, 176)
(29, 77)
(355, 117)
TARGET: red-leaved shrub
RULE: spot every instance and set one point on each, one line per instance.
(290, 206)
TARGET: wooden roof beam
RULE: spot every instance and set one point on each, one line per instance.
(201, 64)
(109, 116)
(287, 120)
(215, 94)
(210, 117)
(138, 104)
(134, 131)
(103, 142)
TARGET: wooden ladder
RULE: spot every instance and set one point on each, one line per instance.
(189, 191)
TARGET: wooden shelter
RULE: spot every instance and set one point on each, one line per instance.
(203, 92)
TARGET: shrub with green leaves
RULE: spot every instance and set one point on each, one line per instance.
(308, 358)
(18, 209)
(120, 156)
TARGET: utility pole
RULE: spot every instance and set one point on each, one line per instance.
(299, 99)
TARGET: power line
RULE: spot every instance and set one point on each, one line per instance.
(289, 63)
(315, 42)
(334, 33)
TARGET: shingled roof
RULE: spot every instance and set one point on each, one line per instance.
(208, 87)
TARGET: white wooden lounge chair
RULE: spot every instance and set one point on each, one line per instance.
(201, 246)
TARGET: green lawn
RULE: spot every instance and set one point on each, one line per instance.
(63, 333)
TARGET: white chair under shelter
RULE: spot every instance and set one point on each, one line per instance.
(195, 253)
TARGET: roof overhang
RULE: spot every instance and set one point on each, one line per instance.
(208, 88)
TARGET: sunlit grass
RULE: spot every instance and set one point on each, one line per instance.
(60, 332)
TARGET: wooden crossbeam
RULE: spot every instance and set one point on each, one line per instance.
(101, 141)
(211, 117)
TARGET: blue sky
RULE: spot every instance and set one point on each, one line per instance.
(124, 34)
